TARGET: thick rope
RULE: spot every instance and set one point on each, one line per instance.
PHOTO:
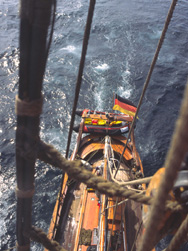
(76, 171)
(169, 16)
(180, 237)
(170, 227)
(133, 182)
(178, 149)
(37, 234)
(81, 68)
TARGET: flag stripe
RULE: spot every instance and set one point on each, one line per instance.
(125, 106)
(118, 108)
(124, 100)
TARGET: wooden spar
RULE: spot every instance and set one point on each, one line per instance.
(34, 23)
(134, 148)
(108, 246)
(115, 212)
(103, 214)
(84, 200)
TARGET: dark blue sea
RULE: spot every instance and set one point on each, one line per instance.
(122, 44)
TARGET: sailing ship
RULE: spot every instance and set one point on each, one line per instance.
(84, 219)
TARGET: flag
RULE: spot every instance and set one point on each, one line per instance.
(124, 105)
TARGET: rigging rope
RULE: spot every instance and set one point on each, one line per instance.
(129, 182)
(178, 149)
(136, 236)
(37, 234)
(168, 19)
(81, 68)
(75, 170)
(180, 237)
(52, 29)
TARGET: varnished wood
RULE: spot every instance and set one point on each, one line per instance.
(90, 210)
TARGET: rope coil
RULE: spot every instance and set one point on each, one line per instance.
(29, 108)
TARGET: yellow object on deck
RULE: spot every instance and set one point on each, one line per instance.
(101, 122)
(115, 123)
(88, 121)
(90, 190)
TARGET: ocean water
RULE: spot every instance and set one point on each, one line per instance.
(122, 43)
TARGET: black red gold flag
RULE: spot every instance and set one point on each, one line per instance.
(124, 105)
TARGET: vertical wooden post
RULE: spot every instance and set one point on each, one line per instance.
(35, 19)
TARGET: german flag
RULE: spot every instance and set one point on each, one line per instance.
(124, 105)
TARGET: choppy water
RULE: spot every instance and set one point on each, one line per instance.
(122, 43)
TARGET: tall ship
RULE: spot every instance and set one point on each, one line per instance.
(104, 203)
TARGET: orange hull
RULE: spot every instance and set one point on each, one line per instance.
(83, 219)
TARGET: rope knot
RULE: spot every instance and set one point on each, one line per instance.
(24, 194)
(29, 108)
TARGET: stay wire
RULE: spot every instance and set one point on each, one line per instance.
(81, 68)
(52, 29)
(161, 40)
(136, 237)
